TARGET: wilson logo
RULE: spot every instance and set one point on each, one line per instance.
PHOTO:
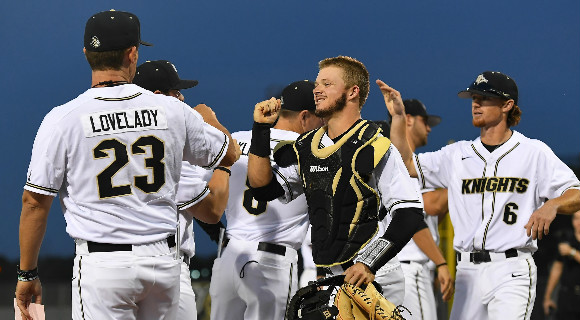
(318, 169)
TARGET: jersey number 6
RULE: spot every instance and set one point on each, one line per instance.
(509, 216)
(155, 163)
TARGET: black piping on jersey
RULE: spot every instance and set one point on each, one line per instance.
(79, 284)
(483, 176)
(419, 294)
(494, 192)
(196, 198)
(42, 188)
(215, 160)
(420, 172)
(529, 289)
(119, 99)
(289, 297)
(285, 182)
(401, 201)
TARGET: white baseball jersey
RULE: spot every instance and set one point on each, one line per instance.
(247, 282)
(272, 221)
(492, 195)
(114, 156)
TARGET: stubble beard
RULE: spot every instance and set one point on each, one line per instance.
(338, 106)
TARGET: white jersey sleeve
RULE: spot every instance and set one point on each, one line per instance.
(207, 145)
(192, 187)
(554, 177)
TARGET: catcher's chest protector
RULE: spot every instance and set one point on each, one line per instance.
(343, 208)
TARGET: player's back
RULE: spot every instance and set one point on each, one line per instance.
(117, 153)
(252, 220)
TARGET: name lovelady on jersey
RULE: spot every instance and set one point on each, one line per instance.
(114, 155)
(252, 220)
(493, 195)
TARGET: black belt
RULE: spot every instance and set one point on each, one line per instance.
(272, 248)
(112, 247)
(263, 246)
(483, 256)
(405, 261)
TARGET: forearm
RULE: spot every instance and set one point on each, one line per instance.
(425, 242)
(399, 139)
(33, 220)
(212, 207)
(553, 279)
(259, 166)
(210, 118)
(436, 203)
(567, 203)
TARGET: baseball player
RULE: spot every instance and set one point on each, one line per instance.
(196, 197)
(256, 274)
(347, 171)
(422, 249)
(113, 155)
(504, 191)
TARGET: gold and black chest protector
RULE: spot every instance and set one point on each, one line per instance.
(343, 208)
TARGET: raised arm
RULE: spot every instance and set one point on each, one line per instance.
(210, 118)
(259, 167)
(398, 137)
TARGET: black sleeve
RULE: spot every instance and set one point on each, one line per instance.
(269, 192)
(422, 225)
(213, 230)
(401, 229)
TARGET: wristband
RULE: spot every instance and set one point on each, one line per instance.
(372, 257)
(573, 253)
(223, 169)
(440, 265)
(260, 144)
(27, 275)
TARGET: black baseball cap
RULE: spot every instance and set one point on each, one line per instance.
(160, 75)
(415, 107)
(492, 84)
(112, 30)
(298, 96)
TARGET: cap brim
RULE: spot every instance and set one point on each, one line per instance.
(466, 94)
(145, 43)
(433, 120)
(185, 84)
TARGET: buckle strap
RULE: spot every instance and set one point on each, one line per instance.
(485, 255)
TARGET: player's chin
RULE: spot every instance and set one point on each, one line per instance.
(478, 122)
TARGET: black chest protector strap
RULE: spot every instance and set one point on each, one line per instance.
(343, 208)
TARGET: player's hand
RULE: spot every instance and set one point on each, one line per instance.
(358, 274)
(393, 99)
(539, 223)
(446, 282)
(238, 150)
(206, 112)
(25, 290)
(548, 305)
(564, 249)
(267, 111)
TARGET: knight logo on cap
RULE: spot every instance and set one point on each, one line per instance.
(480, 79)
(95, 43)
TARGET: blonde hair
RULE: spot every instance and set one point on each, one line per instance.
(354, 73)
(514, 116)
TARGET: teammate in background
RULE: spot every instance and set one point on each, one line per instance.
(342, 168)
(113, 155)
(566, 268)
(498, 185)
(256, 274)
(414, 257)
(196, 198)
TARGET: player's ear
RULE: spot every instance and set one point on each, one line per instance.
(353, 92)
(508, 105)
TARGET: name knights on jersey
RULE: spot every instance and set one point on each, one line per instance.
(117, 121)
(494, 184)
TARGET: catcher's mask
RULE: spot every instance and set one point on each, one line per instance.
(310, 303)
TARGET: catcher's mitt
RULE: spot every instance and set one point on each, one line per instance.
(354, 303)
(310, 303)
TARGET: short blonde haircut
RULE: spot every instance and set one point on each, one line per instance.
(354, 73)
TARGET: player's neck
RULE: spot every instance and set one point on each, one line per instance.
(341, 121)
(495, 135)
(100, 77)
(288, 125)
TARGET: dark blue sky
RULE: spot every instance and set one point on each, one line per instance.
(428, 50)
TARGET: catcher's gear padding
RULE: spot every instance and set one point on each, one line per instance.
(310, 303)
(356, 303)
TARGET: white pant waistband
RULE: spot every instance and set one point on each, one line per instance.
(270, 247)
(143, 250)
(476, 257)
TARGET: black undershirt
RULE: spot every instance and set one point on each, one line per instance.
(335, 140)
(491, 148)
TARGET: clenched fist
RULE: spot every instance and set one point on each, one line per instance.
(267, 111)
